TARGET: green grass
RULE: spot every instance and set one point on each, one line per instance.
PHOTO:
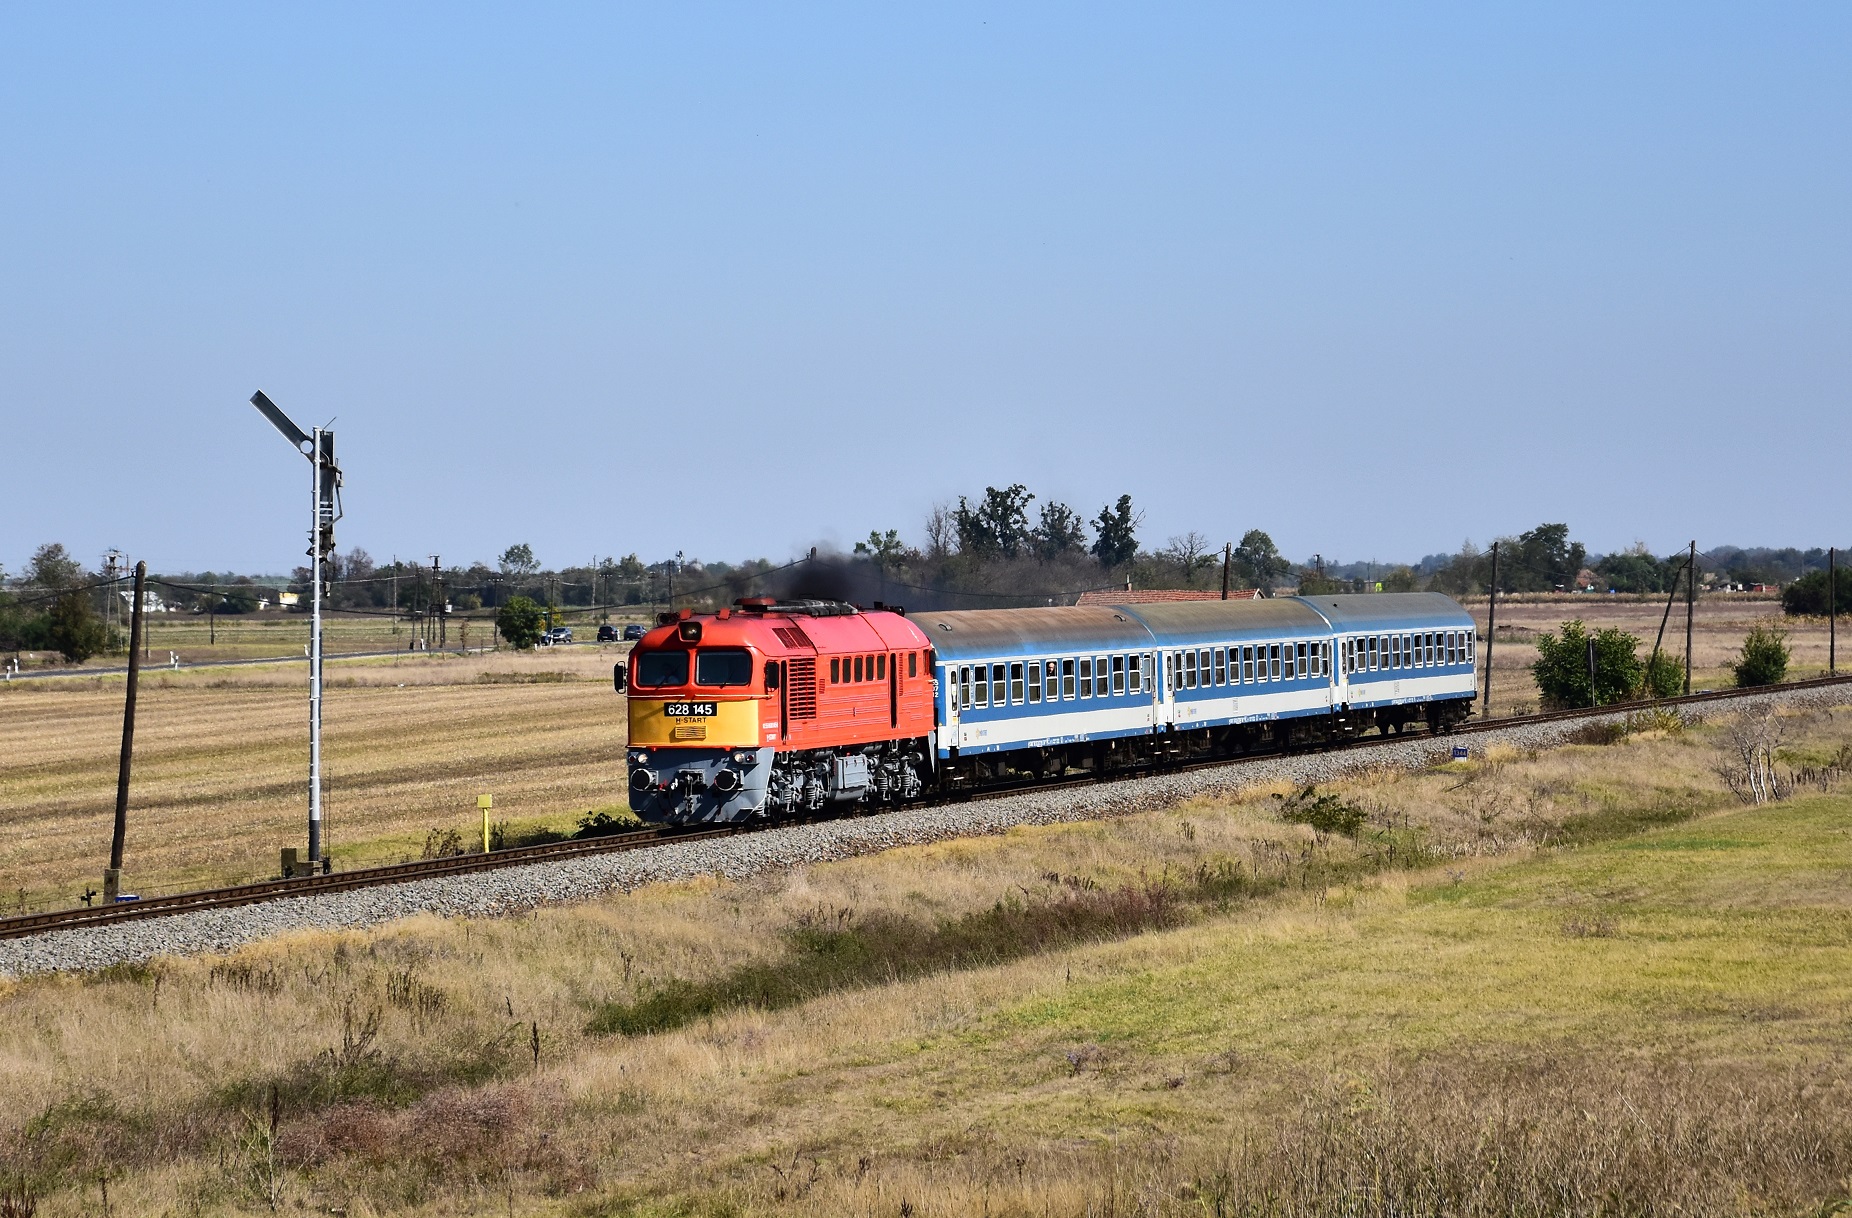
(1736, 913)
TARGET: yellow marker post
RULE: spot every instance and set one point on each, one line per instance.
(485, 802)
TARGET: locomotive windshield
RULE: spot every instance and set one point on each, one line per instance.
(655, 669)
(723, 666)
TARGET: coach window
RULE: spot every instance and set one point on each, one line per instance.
(1118, 674)
(980, 689)
(1035, 682)
(1453, 647)
(964, 684)
(1067, 680)
(1433, 652)
(1247, 666)
(1133, 674)
(1016, 685)
(1086, 677)
(999, 690)
(1205, 667)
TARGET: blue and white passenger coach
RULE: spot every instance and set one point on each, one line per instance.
(1034, 692)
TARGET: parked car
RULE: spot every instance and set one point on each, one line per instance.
(559, 634)
(607, 633)
(634, 631)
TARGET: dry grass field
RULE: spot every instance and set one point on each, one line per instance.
(221, 764)
(1577, 982)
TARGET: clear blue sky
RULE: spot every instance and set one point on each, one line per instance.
(737, 280)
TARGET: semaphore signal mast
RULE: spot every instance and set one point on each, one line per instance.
(325, 498)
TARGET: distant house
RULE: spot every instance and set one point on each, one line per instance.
(1151, 596)
(150, 602)
(288, 600)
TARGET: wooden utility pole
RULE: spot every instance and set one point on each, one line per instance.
(1832, 611)
(1491, 624)
(112, 878)
(1228, 554)
(1691, 607)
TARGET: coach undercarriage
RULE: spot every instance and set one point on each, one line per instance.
(1169, 746)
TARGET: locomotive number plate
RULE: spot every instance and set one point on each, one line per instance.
(690, 710)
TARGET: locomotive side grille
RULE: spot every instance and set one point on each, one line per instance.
(801, 687)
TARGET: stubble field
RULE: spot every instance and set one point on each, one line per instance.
(221, 764)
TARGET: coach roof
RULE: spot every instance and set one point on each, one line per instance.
(1390, 611)
(962, 634)
(1184, 622)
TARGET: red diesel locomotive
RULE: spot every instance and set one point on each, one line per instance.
(776, 708)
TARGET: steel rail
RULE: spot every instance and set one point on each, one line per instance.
(20, 926)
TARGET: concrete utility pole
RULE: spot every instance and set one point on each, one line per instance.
(1832, 611)
(1491, 624)
(325, 493)
(1228, 554)
(1691, 607)
(112, 878)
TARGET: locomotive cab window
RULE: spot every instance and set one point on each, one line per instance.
(657, 669)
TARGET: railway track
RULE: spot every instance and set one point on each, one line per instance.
(21, 926)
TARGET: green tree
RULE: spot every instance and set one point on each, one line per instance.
(1257, 560)
(1401, 579)
(886, 550)
(1115, 540)
(1763, 659)
(998, 527)
(73, 628)
(1542, 560)
(1806, 596)
(53, 568)
(1561, 667)
(518, 560)
(1060, 531)
(520, 621)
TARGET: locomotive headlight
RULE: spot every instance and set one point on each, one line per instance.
(639, 756)
(744, 756)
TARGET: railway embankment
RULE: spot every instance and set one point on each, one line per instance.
(516, 890)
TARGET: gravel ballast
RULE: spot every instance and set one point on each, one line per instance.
(517, 889)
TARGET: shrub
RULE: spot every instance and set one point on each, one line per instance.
(1324, 813)
(1663, 676)
(1806, 596)
(520, 622)
(1561, 667)
(1764, 657)
(75, 630)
